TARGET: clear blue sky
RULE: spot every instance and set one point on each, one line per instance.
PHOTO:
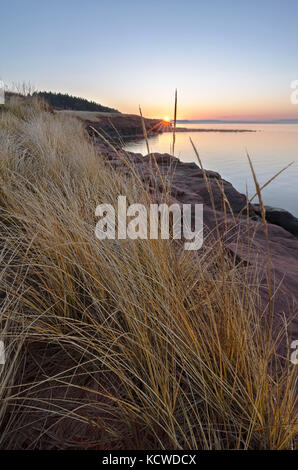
(228, 59)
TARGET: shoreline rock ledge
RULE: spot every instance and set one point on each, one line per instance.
(281, 217)
(188, 186)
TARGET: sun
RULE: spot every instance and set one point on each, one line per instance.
(166, 119)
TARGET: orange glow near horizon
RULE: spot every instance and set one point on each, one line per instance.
(204, 105)
(208, 108)
(225, 114)
(220, 113)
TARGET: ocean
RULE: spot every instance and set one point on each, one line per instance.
(271, 148)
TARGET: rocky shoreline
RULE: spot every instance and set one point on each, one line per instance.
(274, 215)
(119, 128)
(188, 186)
(281, 217)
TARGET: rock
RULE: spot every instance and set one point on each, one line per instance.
(123, 127)
(245, 237)
(163, 159)
(186, 180)
(281, 217)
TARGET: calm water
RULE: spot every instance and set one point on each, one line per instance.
(271, 148)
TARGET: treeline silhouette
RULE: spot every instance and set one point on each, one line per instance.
(66, 101)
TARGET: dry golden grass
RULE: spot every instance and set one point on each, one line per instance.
(121, 344)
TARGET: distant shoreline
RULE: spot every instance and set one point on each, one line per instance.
(186, 129)
(218, 121)
(128, 127)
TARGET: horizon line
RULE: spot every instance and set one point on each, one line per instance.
(240, 121)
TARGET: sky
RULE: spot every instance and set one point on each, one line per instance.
(232, 59)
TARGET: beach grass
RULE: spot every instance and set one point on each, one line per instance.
(122, 344)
